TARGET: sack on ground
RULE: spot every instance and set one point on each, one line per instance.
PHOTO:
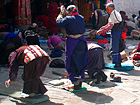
(57, 52)
(57, 63)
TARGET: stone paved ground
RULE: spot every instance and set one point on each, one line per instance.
(106, 93)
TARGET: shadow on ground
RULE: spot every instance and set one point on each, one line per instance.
(42, 103)
(94, 97)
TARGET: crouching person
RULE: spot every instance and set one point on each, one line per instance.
(35, 61)
(96, 63)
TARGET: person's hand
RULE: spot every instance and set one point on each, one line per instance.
(7, 83)
(63, 10)
(67, 76)
(130, 53)
(99, 32)
(60, 16)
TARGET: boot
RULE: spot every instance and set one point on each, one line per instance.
(103, 75)
(98, 77)
(78, 87)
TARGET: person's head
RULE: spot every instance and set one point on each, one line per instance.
(110, 7)
(31, 38)
(90, 1)
(21, 34)
(133, 16)
(71, 9)
(48, 3)
(50, 34)
(33, 27)
(139, 12)
(61, 2)
(122, 12)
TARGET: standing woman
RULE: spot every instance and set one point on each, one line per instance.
(76, 46)
(94, 19)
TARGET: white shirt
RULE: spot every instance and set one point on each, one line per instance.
(136, 21)
(115, 19)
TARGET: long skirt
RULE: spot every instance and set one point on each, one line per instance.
(96, 61)
(76, 57)
(31, 76)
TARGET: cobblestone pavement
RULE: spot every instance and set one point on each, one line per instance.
(126, 92)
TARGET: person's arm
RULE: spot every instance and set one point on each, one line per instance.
(135, 50)
(13, 67)
(105, 28)
(61, 23)
(132, 52)
(49, 43)
(63, 39)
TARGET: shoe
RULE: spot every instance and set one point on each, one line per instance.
(98, 77)
(103, 75)
(78, 87)
(116, 79)
(112, 75)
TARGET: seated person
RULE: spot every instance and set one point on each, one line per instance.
(33, 27)
(135, 19)
(10, 43)
(96, 63)
(138, 19)
(123, 15)
(56, 41)
(130, 25)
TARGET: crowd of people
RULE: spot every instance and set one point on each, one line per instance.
(24, 48)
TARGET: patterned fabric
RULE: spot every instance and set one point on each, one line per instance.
(107, 27)
(32, 52)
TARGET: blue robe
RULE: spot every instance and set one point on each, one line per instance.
(76, 48)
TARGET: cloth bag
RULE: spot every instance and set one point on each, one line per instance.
(57, 63)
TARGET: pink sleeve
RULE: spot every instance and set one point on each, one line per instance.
(63, 39)
(107, 27)
(49, 43)
(13, 67)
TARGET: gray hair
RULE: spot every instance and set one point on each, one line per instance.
(70, 8)
(111, 5)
